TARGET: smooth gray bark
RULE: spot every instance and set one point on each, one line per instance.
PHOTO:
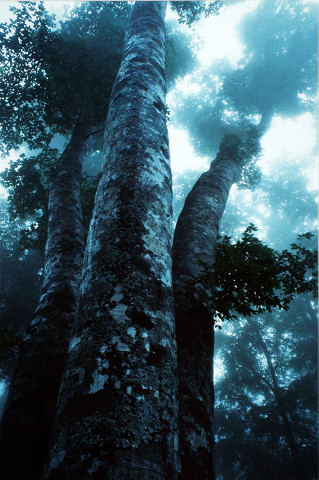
(27, 419)
(194, 241)
(117, 415)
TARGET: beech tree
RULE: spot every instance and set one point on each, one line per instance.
(44, 348)
(194, 242)
(196, 299)
(123, 364)
(55, 110)
(117, 411)
(36, 381)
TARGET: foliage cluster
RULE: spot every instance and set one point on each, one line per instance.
(277, 75)
(245, 151)
(280, 62)
(180, 57)
(190, 12)
(56, 75)
(27, 181)
(248, 277)
(53, 76)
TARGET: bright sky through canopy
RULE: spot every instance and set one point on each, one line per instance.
(219, 41)
(286, 138)
(219, 33)
(290, 139)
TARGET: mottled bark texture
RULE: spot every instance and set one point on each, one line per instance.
(117, 414)
(27, 420)
(195, 241)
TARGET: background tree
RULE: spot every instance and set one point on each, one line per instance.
(250, 434)
(19, 292)
(19, 280)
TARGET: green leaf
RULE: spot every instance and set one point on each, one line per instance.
(249, 278)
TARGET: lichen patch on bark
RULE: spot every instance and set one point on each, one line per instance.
(126, 414)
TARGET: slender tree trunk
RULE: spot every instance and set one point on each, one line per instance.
(117, 414)
(27, 419)
(194, 241)
(281, 406)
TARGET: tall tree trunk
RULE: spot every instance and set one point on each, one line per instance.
(194, 241)
(281, 406)
(117, 415)
(27, 419)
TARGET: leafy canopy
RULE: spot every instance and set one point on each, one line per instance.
(55, 75)
(249, 278)
(279, 72)
(190, 12)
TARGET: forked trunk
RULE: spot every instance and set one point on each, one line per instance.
(117, 415)
(27, 419)
(195, 241)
